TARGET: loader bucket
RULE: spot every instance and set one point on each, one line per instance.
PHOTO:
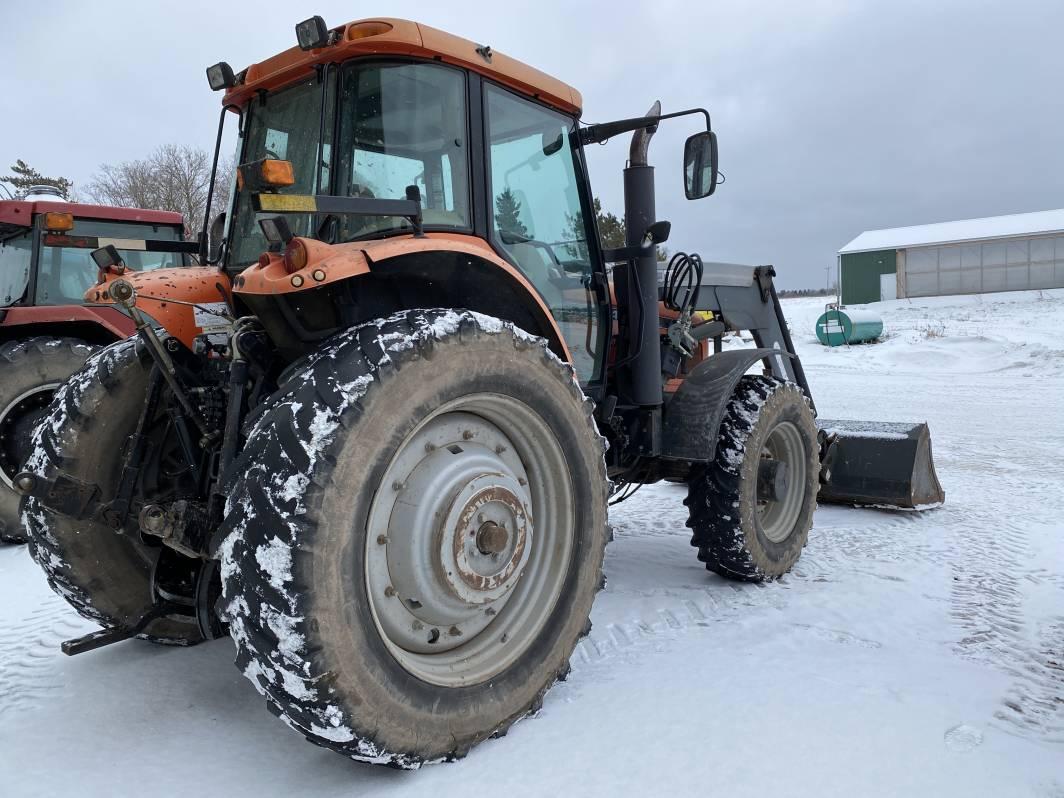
(880, 464)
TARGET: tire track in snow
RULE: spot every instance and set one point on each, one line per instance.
(28, 652)
(990, 557)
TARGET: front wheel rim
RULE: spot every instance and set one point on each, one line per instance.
(469, 538)
(778, 515)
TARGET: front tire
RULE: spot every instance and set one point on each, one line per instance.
(415, 537)
(32, 370)
(750, 517)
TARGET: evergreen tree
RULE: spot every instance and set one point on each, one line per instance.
(23, 177)
(508, 214)
(610, 227)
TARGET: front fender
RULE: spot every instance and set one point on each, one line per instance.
(156, 289)
(691, 419)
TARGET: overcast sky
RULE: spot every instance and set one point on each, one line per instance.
(833, 117)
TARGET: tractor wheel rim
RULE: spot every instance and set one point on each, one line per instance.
(469, 539)
(13, 452)
(777, 516)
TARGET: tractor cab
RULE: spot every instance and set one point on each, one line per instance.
(500, 170)
(46, 245)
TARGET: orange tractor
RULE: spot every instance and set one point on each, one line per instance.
(46, 329)
(383, 463)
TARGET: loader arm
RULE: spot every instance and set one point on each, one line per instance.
(744, 297)
(879, 464)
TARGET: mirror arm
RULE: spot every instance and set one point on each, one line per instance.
(204, 254)
(600, 133)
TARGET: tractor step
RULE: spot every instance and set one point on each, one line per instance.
(116, 634)
(878, 464)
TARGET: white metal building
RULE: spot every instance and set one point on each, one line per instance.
(972, 256)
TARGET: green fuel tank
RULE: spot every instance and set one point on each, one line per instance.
(838, 326)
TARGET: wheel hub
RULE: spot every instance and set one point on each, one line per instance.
(469, 537)
(492, 538)
(458, 535)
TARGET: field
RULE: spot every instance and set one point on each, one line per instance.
(907, 654)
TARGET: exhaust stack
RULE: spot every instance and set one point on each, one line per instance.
(644, 384)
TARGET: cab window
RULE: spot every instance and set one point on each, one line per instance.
(284, 127)
(538, 218)
(16, 254)
(404, 125)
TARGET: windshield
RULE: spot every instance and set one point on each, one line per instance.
(16, 254)
(64, 274)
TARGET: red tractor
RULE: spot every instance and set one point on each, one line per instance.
(46, 329)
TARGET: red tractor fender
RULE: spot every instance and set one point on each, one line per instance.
(57, 318)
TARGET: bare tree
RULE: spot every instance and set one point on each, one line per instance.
(175, 177)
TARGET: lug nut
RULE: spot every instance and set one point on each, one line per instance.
(389, 591)
(318, 274)
(297, 280)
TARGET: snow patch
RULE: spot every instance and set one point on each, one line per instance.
(275, 560)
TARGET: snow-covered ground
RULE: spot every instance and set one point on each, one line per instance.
(907, 654)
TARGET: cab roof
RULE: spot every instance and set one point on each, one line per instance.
(20, 213)
(388, 36)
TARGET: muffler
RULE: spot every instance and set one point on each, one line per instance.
(878, 464)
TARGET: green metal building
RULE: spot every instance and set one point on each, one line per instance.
(1001, 253)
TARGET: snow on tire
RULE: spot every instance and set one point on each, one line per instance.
(33, 368)
(415, 536)
(103, 575)
(750, 517)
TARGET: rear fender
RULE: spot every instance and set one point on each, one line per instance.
(442, 269)
(693, 416)
(201, 285)
(95, 325)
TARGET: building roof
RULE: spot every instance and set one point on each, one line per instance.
(1017, 224)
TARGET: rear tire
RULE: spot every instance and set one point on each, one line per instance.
(347, 613)
(740, 531)
(104, 575)
(32, 370)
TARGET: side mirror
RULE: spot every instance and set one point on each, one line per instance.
(551, 143)
(214, 238)
(700, 165)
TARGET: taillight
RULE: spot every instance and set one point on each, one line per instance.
(295, 256)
